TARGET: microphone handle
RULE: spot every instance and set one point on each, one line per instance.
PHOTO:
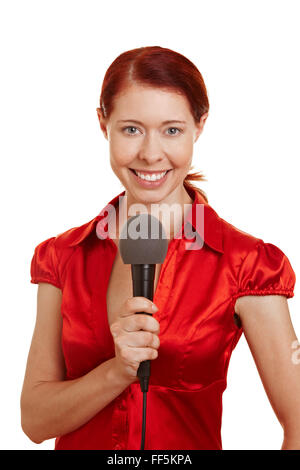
(143, 285)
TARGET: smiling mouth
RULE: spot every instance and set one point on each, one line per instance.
(150, 172)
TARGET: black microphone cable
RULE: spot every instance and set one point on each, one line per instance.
(144, 374)
(144, 420)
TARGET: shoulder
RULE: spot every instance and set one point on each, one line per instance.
(257, 262)
(81, 237)
(74, 236)
(52, 255)
(238, 242)
(223, 235)
(247, 247)
(261, 268)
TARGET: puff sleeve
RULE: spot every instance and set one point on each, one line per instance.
(266, 270)
(44, 264)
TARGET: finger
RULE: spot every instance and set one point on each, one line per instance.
(137, 304)
(140, 322)
(141, 354)
(140, 339)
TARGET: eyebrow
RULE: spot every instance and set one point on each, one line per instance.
(139, 122)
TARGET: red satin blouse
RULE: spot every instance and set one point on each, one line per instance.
(196, 294)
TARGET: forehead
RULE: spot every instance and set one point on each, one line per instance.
(143, 103)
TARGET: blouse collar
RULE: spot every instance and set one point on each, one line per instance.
(213, 232)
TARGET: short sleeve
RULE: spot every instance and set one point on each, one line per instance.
(266, 270)
(44, 264)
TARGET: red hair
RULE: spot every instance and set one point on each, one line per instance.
(158, 67)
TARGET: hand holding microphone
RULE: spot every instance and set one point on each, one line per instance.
(135, 336)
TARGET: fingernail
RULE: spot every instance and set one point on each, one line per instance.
(154, 308)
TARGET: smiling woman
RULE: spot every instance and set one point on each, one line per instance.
(158, 88)
(81, 381)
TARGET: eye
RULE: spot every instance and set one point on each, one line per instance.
(176, 129)
(129, 127)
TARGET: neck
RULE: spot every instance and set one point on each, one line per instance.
(170, 211)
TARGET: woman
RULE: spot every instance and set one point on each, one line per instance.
(80, 384)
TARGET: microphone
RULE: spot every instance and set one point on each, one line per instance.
(143, 249)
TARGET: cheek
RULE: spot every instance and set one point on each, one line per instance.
(182, 155)
(120, 154)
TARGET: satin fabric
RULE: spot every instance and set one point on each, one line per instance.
(196, 295)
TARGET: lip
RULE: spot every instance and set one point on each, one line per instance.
(147, 172)
(149, 184)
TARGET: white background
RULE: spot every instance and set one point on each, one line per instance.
(55, 161)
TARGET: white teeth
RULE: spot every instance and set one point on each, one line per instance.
(153, 177)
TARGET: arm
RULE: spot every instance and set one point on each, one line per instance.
(269, 333)
(50, 406)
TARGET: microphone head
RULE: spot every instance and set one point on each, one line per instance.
(143, 240)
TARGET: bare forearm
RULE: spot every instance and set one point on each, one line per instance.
(291, 430)
(57, 408)
(291, 443)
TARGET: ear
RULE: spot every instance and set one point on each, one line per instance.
(102, 122)
(200, 126)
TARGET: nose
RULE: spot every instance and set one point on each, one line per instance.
(151, 149)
